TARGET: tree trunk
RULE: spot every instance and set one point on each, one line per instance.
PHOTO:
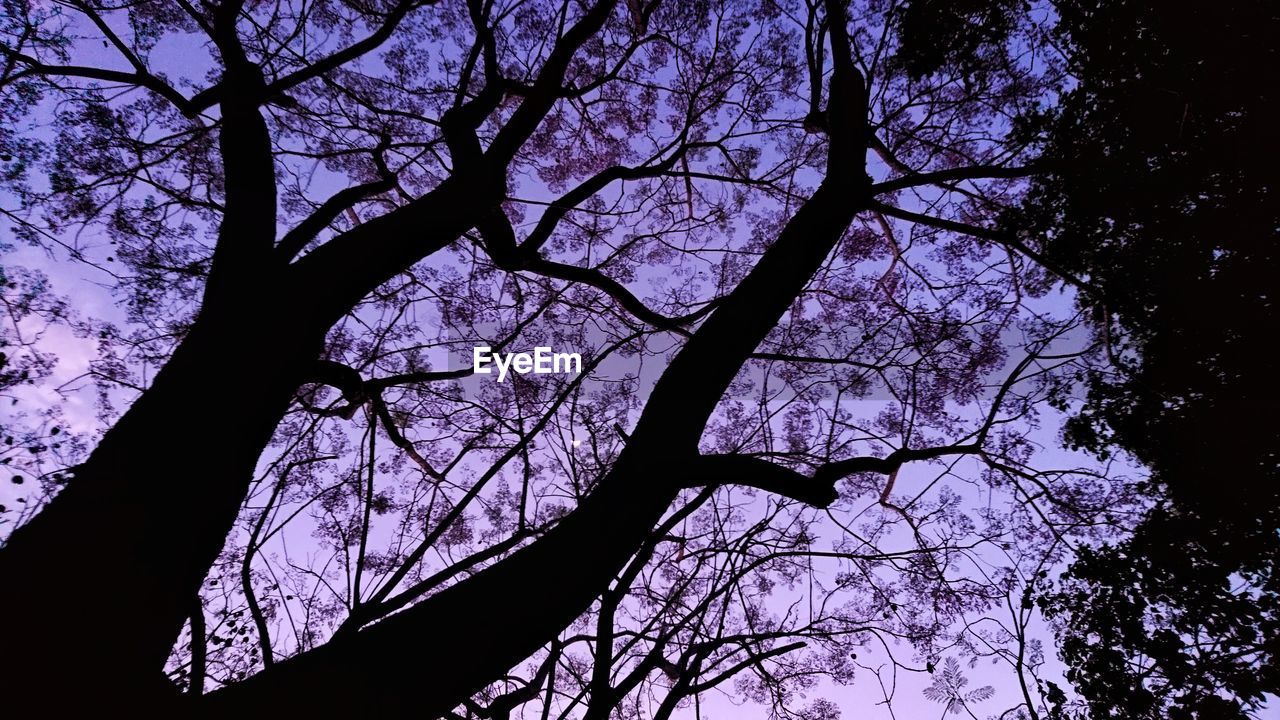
(98, 584)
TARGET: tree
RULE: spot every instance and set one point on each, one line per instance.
(1158, 194)
(297, 203)
(1166, 204)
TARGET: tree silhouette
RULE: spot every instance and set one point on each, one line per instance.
(809, 425)
(1175, 226)
(948, 687)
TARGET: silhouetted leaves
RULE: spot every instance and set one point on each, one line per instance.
(1164, 198)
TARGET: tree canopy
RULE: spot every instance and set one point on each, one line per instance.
(1166, 202)
(839, 272)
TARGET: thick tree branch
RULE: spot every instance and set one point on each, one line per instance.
(218, 93)
(936, 177)
(248, 229)
(891, 463)
(350, 266)
(818, 490)
(296, 239)
(754, 472)
(33, 67)
(546, 89)
(1002, 238)
(500, 241)
(557, 210)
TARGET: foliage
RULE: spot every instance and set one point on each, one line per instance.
(948, 687)
(1164, 199)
